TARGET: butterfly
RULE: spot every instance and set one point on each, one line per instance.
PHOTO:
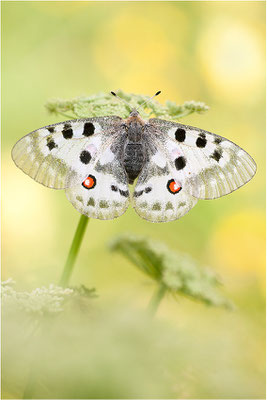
(171, 165)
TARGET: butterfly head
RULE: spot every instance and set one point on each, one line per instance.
(134, 112)
(134, 125)
(135, 119)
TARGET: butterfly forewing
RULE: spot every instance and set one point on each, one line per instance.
(212, 165)
(57, 155)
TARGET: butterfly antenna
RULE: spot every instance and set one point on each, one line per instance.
(147, 101)
(116, 95)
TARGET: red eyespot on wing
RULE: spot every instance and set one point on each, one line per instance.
(89, 182)
(173, 186)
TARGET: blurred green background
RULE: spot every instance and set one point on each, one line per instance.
(204, 51)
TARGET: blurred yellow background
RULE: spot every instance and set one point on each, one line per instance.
(204, 51)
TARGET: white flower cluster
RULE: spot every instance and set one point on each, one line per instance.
(101, 104)
(40, 301)
(196, 106)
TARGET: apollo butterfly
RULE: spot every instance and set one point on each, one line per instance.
(171, 165)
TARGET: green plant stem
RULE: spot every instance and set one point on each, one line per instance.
(74, 250)
(67, 116)
(156, 299)
(28, 392)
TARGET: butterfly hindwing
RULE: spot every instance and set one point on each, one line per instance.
(213, 165)
(161, 193)
(104, 193)
(101, 195)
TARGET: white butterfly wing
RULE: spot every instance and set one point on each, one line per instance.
(104, 194)
(58, 155)
(185, 164)
(161, 193)
(214, 166)
(80, 157)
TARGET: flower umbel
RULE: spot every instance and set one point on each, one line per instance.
(174, 272)
(101, 104)
(41, 301)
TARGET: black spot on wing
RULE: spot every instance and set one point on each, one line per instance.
(114, 188)
(88, 129)
(85, 157)
(180, 163)
(180, 135)
(124, 193)
(201, 140)
(216, 155)
(138, 193)
(51, 144)
(217, 140)
(51, 129)
(67, 131)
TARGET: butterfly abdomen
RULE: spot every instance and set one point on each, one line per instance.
(133, 160)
